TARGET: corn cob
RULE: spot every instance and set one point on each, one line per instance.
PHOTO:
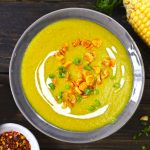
(138, 14)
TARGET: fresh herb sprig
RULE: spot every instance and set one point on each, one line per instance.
(107, 6)
(144, 130)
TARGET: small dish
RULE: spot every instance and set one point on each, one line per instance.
(7, 127)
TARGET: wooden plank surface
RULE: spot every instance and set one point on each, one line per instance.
(15, 17)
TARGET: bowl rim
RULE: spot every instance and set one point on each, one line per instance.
(8, 127)
(36, 126)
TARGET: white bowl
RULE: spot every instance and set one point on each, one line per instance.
(18, 128)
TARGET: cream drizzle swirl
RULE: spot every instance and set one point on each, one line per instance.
(43, 89)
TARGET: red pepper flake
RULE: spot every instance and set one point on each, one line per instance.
(14, 141)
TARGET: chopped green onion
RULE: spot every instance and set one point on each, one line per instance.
(60, 96)
(88, 91)
(62, 75)
(95, 106)
(79, 98)
(97, 103)
(77, 61)
(88, 67)
(59, 101)
(67, 86)
(62, 72)
(52, 86)
(51, 76)
(112, 77)
(116, 85)
(96, 91)
(91, 108)
(62, 69)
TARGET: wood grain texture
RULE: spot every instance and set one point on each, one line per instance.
(15, 17)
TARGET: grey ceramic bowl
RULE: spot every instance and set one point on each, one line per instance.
(28, 111)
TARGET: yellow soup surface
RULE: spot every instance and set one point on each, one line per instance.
(77, 75)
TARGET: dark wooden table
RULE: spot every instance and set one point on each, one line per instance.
(15, 17)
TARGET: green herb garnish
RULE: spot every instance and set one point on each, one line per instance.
(79, 98)
(51, 76)
(96, 91)
(112, 77)
(67, 86)
(60, 96)
(95, 106)
(107, 6)
(91, 108)
(97, 103)
(144, 131)
(88, 67)
(116, 85)
(77, 61)
(62, 72)
(62, 75)
(52, 86)
(88, 91)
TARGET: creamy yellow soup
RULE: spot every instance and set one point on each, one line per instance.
(77, 75)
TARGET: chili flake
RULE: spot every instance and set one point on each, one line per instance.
(14, 140)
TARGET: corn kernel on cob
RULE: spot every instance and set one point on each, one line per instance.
(138, 14)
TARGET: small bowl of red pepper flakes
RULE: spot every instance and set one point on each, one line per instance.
(17, 137)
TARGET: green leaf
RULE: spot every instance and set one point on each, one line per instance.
(88, 67)
(77, 61)
(88, 91)
(107, 6)
(52, 86)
